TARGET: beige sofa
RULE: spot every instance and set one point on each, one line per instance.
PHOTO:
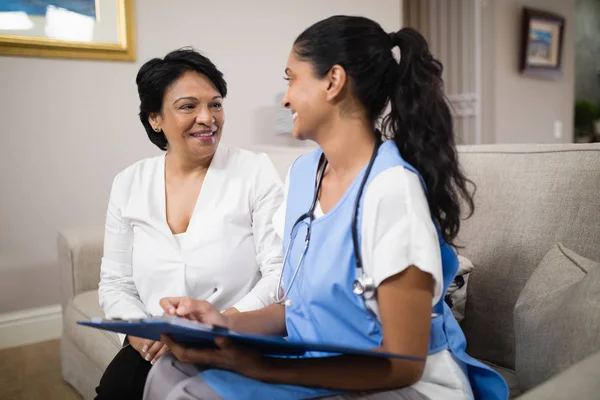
(529, 198)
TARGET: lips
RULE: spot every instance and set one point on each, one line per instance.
(294, 115)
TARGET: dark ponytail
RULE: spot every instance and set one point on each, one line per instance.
(420, 121)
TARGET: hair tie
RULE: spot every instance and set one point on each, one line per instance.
(395, 38)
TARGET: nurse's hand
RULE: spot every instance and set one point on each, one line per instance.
(244, 361)
(196, 310)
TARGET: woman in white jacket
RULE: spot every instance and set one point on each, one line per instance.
(195, 221)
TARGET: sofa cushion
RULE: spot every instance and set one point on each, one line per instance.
(510, 377)
(456, 295)
(99, 345)
(579, 381)
(557, 317)
(528, 198)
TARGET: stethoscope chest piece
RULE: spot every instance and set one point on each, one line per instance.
(364, 286)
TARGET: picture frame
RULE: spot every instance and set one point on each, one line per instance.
(542, 37)
(68, 29)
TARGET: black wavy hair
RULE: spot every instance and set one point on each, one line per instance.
(157, 75)
(420, 121)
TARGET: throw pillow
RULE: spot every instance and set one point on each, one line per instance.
(456, 295)
(557, 316)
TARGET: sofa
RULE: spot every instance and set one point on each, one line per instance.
(530, 310)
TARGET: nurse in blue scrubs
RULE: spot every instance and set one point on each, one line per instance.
(368, 224)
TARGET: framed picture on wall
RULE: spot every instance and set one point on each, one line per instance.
(76, 29)
(541, 43)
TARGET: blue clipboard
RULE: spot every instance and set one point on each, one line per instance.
(198, 335)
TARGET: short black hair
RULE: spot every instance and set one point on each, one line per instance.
(157, 75)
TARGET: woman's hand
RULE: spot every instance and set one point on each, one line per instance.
(228, 356)
(196, 310)
(150, 350)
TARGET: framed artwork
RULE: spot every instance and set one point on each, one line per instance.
(76, 29)
(541, 43)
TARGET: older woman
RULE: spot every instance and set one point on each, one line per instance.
(194, 221)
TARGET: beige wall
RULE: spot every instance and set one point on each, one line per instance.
(69, 126)
(520, 109)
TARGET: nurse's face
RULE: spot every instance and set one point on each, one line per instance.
(306, 98)
(192, 116)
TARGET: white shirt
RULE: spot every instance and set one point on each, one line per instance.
(397, 231)
(230, 254)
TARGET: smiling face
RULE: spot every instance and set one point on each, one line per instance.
(306, 98)
(192, 116)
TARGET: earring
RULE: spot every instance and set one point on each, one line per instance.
(156, 130)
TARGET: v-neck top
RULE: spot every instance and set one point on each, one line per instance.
(229, 254)
(179, 238)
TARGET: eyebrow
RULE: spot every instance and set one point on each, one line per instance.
(195, 99)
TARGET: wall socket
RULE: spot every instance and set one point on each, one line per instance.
(558, 129)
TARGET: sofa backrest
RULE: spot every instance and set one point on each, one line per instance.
(528, 198)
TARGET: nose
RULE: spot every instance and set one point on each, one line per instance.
(284, 101)
(205, 116)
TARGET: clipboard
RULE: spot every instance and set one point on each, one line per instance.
(198, 335)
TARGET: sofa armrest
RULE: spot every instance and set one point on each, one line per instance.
(79, 257)
(580, 381)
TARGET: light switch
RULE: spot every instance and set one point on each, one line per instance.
(558, 128)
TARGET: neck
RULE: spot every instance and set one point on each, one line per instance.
(182, 167)
(348, 145)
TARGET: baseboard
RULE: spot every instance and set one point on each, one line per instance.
(30, 326)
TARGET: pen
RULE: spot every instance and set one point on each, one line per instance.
(210, 295)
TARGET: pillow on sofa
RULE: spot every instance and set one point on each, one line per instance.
(456, 295)
(557, 318)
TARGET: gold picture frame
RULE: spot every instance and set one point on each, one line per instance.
(123, 50)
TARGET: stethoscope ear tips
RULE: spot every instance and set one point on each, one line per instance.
(286, 303)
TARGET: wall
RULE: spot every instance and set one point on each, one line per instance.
(520, 109)
(69, 126)
(587, 54)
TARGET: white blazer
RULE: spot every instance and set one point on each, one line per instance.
(229, 255)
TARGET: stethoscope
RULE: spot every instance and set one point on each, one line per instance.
(364, 284)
